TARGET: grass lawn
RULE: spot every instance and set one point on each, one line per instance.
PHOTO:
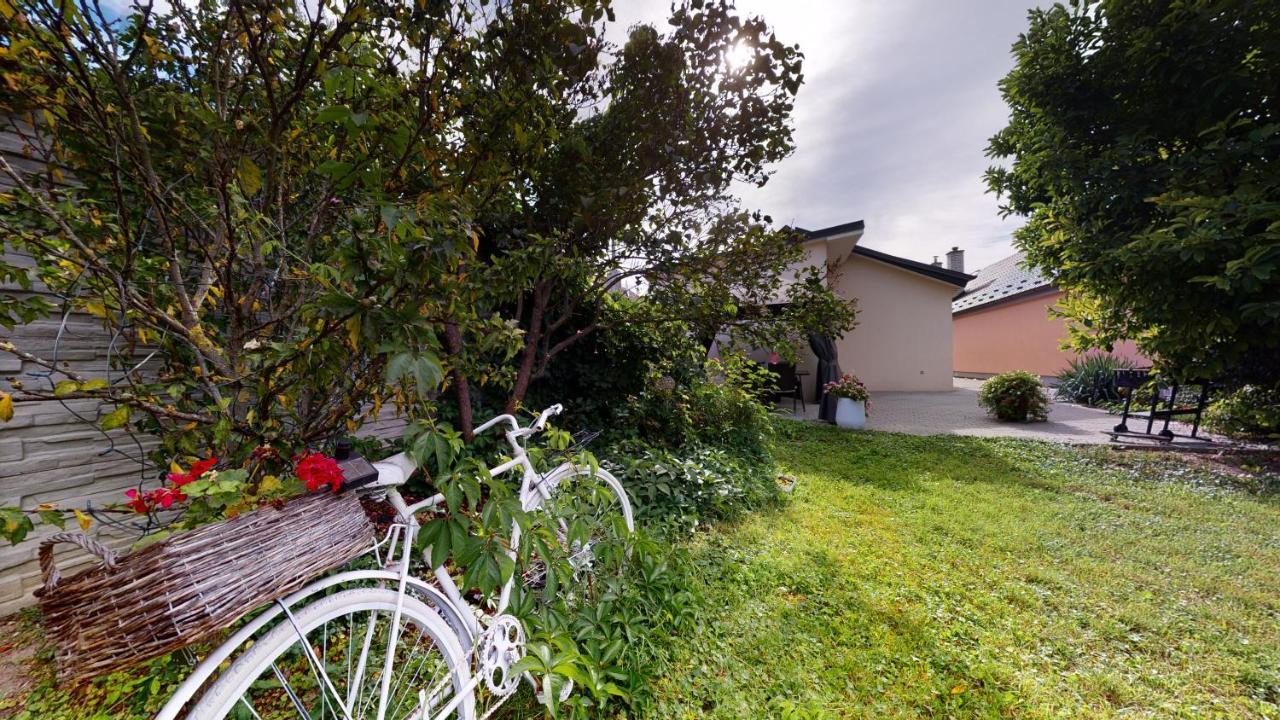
(964, 577)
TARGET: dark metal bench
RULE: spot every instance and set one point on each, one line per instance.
(1164, 405)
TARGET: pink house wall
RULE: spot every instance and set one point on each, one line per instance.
(1018, 335)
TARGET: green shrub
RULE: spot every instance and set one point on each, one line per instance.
(716, 403)
(685, 488)
(1252, 411)
(1016, 395)
(1088, 380)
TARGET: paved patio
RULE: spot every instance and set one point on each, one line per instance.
(958, 413)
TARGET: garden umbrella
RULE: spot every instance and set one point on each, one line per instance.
(828, 370)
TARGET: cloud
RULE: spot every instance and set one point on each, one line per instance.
(891, 125)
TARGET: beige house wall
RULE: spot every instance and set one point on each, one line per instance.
(903, 338)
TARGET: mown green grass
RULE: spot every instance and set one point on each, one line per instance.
(963, 577)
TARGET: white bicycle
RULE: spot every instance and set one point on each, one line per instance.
(383, 644)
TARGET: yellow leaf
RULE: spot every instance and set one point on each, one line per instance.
(250, 176)
(959, 689)
(65, 388)
(84, 520)
(269, 484)
(353, 331)
(117, 418)
(6, 407)
(176, 469)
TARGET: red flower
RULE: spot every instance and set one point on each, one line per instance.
(136, 503)
(203, 466)
(166, 497)
(197, 471)
(317, 470)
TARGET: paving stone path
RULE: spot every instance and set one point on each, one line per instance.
(958, 413)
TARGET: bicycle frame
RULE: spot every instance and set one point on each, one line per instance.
(447, 597)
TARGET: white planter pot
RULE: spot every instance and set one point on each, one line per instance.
(851, 414)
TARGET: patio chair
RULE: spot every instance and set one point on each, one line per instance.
(787, 384)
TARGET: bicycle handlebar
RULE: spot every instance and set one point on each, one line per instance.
(546, 414)
(536, 426)
(397, 468)
(494, 421)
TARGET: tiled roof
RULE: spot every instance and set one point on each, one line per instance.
(999, 281)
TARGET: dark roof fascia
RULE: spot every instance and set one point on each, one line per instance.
(850, 227)
(958, 279)
(1028, 294)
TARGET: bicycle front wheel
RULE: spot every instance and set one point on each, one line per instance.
(329, 662)
(591, 518)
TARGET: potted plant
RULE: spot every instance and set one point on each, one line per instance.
(853, 404)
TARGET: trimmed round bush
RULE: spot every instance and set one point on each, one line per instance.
(1015, 396)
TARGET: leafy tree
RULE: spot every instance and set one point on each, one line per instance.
(1144, 141)
(634, 194)
(281, 200)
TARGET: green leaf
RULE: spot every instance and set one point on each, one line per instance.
(398, 366)
(54, 518)
(427, 373)
(333, 113)
(65, 388)
(435, 535)
(14, 524)
(116, 418)
(95, 384)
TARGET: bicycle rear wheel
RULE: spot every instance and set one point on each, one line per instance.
(327, 662)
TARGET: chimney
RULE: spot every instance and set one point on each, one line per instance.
(955, 260)
(936, 262)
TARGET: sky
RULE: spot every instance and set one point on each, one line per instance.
(892, 121)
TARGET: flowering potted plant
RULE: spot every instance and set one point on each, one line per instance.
(206, 494)
(219, 541)
(854, 401)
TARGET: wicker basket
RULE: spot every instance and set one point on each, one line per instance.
(187, 588)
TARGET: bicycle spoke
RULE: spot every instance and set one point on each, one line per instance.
(355, 691)
(248, 706)
(410, 687)
(293, 696)
(317, 667)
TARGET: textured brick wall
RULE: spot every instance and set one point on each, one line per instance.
(47, 452)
